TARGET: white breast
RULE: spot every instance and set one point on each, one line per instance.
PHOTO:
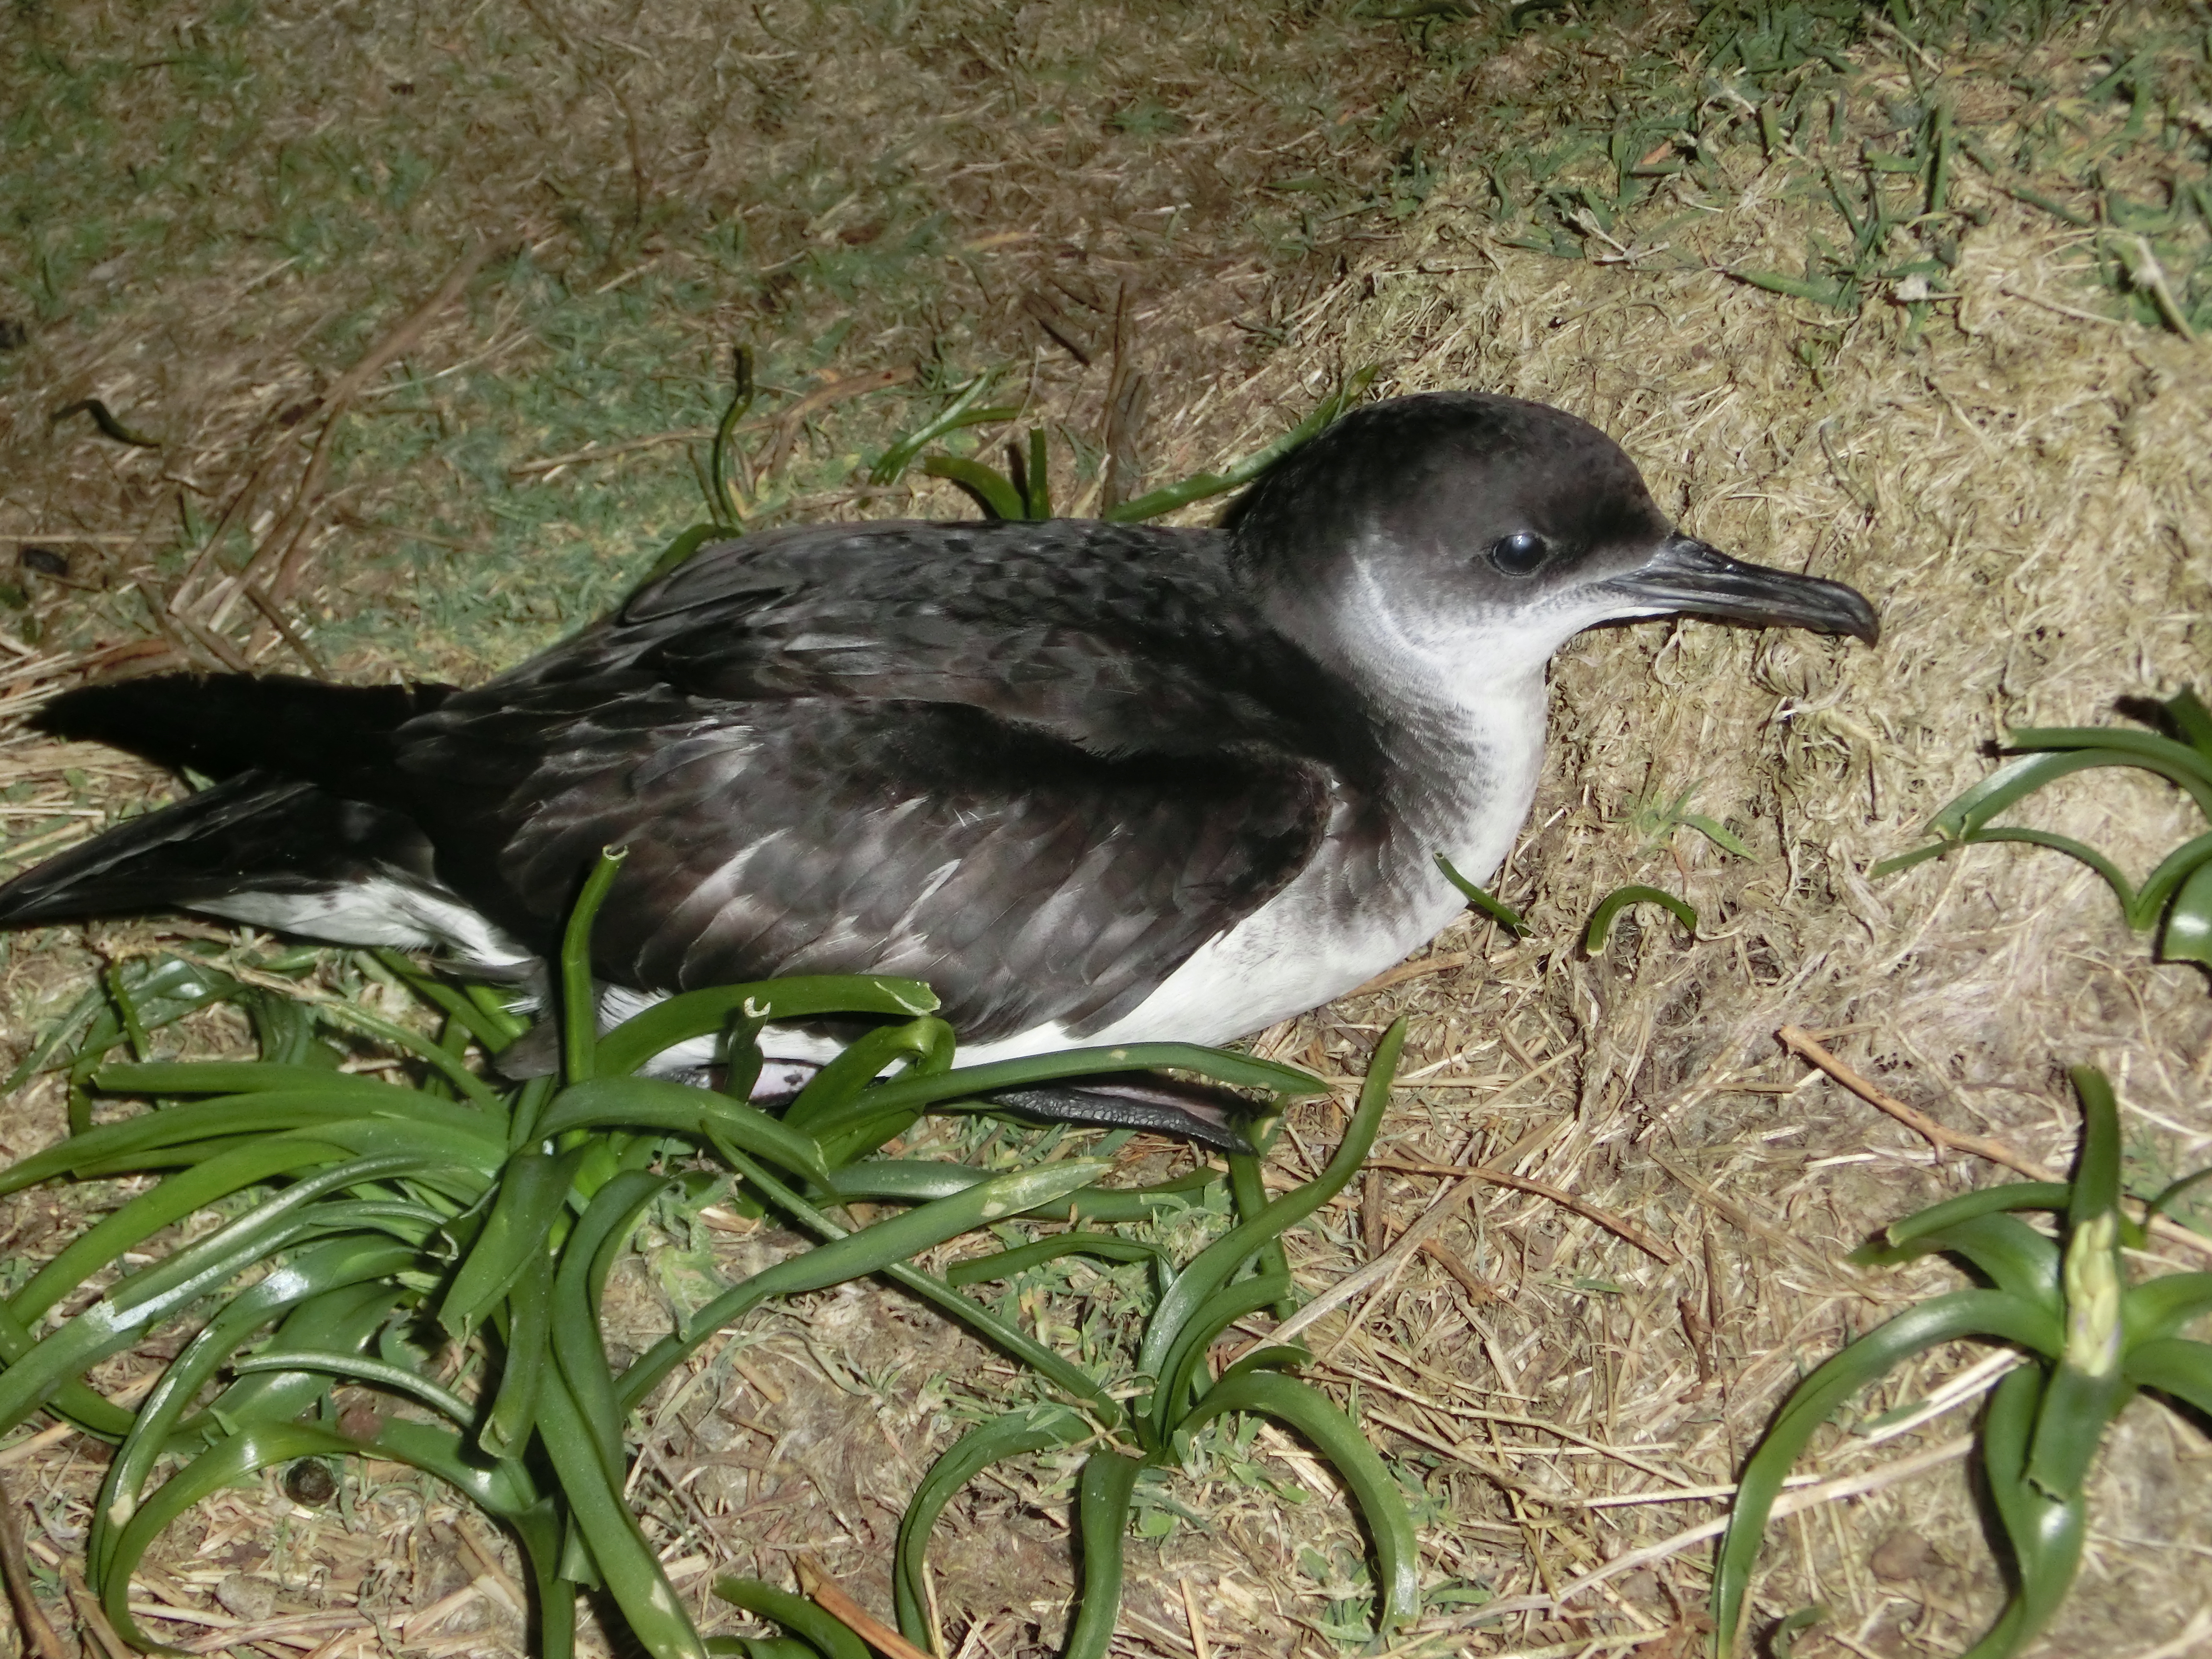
(1468, 747)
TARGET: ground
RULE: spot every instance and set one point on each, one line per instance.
(1908, 298)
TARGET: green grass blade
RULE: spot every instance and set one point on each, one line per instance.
(915, 1180)
(1248, 1190)
(900, 456)
(337, 1266)
(898, 1238)
(341, 1320)
(72, 1400)
(1011, 1341)
(644, 1103)
(190, 1135)
(501, 1491)
(2173, 1366)
(927, 1042)
(632, 1572)
(925, 1045)
(53, 1038)
(822, 1632)
(991, 488)
(243, 1077)
(911, 1093)
(1974, 806)
(1499, 912)
(533, 1190)
(2174, 1192)
(1101, 1520)
(1181, 1368)
(722, 508)
(2187, 935)
(398, 1379)
(1037, 501)
(1204, 484)
(492, 1026)
(2161, 754)
(1380, 1503)
(2012, 1254)
(2165, 1306)
(579, 997)
(304, 1087)
(2045, 1536)
(578, 1348)
(1890, 866)
(2130, 909)
(447, 1064)
(705, 1012)
(176, 1197)
(2097, 1174)
(528, 1330)
(884, 1246)
(2078, 1404)
(1011, 1436)
(1005, 1264)
(1987, 1200)
(2192, 720)
(2159, 886)
(146, 1298)
(762, 1647)
(1601, 922)
(1718, 833)
(1214, 1266)
(1276, 1356)
(681, 550)
(1942, 1319)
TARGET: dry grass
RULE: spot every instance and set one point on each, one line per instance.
(2020, 483)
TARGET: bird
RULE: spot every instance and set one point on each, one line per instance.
(1097, 783)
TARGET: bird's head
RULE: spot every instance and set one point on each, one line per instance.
(1477, 534)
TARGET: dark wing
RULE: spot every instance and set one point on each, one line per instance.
(865, 749)
(1112, 638)
(1023, 878)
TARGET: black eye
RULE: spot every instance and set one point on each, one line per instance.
(1519, 554)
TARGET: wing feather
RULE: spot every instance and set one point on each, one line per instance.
(1036, 769)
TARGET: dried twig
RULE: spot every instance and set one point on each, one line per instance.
(1801, 1043)
(31, 1618)
(1198, 1641)
(1406, 970)
(827, 1595)
(1126, 394)
(291, 636)
(273, 562)
(94, 1616)
(1789, 1503)
(1657, 1250)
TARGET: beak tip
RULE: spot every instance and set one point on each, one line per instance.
(1688, 576)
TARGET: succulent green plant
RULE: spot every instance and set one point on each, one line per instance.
(2176, 897)
(2091, 1339)
(402, 1235)
(1233, 1277)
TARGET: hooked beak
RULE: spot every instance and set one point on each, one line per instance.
(1687, 576)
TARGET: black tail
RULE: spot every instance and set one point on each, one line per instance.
(306, 768)
(222, 725)
(252, 834)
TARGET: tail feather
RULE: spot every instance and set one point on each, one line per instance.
(221, 725)
(251, 833)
